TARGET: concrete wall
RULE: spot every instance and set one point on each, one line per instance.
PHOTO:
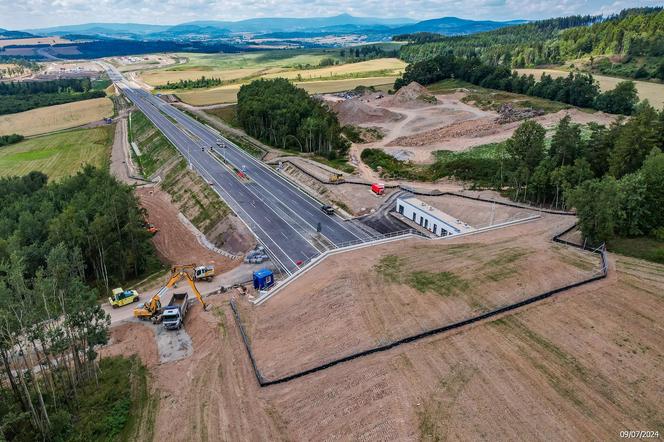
(425, 219)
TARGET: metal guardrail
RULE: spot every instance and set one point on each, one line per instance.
(374, 238)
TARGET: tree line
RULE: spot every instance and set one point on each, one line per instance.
(192, 84)
(26, 95)
(529, 43)
(60, 245)
(6, 140)
(631, 33)
(91, 213)
(71, 85)
(285, 116)
(613, 177)
(577, 89)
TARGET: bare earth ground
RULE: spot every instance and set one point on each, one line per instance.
(355, 198)
(348, 292)
(581, 366)
(175, 243)
(474, 213)
(57, 117)
(421, 128)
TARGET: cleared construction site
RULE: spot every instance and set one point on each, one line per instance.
(549, 365)
(456, 315)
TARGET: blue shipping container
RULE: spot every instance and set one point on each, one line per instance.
(263, 279)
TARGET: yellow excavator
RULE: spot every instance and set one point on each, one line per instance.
(152, 308)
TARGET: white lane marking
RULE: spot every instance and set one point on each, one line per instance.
(169, 123)
(218, 184)
(303, 196)
(246, 186)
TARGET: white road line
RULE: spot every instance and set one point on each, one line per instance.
(263, 167)
(269, 206)
(236, 203)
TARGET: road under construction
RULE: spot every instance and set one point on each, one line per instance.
(285, 219)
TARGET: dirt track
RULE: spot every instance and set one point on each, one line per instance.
(419, 129)
(175, 244)
(583, 365)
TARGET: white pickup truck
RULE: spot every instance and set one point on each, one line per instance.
(174, 313)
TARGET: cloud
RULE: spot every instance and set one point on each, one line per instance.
(43, 13)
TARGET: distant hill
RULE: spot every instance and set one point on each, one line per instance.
(375, 28)
(627, 44)
(5, 34)
(454, 26)
(343, 23)
(280, 24)
(107, 29)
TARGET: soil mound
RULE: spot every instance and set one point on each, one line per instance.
(413, 93)
(357, 112)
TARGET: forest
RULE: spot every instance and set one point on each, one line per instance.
(6, 140)
(192, 84)
(25, 95)
(285, 116)
(61, 245)
(577, 89)
(631, 33)
(612, 176)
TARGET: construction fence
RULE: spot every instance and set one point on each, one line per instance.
(600, 274)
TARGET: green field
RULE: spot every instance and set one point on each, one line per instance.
(650, 249)
(58, 155)
(269, 59)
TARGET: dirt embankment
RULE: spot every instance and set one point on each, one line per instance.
(583, 365)
(465, 134)
(395, 290)
(174, 242)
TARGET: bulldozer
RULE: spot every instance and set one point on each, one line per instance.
(151, 310)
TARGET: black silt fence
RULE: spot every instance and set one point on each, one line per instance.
(445, 328)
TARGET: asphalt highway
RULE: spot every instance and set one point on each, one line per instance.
(283, 217)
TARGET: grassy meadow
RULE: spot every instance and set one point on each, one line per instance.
(654, 92)
(228, 93)
(301, 66)
(58, 155)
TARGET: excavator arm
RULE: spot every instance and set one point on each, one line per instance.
(152, 307)
(192, 284)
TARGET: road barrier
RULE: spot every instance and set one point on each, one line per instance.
(382, 239)
(600, 274)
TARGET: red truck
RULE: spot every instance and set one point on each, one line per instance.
(378, 188)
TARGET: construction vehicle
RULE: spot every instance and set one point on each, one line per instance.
(151, 228)
(152, 309)
(120, 297)
(378, 188)
(336, 178)
(175, 311)
(205, 273)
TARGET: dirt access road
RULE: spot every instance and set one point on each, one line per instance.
(583, 365)
(415, 128)
(121, 165)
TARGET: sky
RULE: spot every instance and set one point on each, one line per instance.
(26, 14)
